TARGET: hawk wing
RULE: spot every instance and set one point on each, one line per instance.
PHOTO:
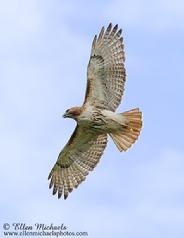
(106, 72)
(79, 156)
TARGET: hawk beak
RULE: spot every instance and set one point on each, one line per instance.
(64, 115)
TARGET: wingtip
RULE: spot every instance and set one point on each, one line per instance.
(51, 184)
(121, 39)
(65, 196)
(116, 27)
(54, 191)
(103, 28)
(119, 32)
(59, 195)
(94, 41)
(109, 26)
(101, 34)
(49, 175)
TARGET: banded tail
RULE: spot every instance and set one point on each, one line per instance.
(126, 137)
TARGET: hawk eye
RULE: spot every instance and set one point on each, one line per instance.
(67, 110)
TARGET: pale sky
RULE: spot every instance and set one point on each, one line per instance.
(44, 52)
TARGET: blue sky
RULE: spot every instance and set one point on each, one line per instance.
(44, 51)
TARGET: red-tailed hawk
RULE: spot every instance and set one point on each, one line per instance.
(96, 118)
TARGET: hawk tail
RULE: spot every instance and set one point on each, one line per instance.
(127, 136)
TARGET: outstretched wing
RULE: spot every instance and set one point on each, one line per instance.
(79, 156)
(106, 72)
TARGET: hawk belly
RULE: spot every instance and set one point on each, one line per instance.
(102, 121)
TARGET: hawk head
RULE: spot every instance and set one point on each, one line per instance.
(73, 112)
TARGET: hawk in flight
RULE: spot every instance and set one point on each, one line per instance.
(96, 118)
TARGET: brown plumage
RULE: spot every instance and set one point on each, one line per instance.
(97, 118)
